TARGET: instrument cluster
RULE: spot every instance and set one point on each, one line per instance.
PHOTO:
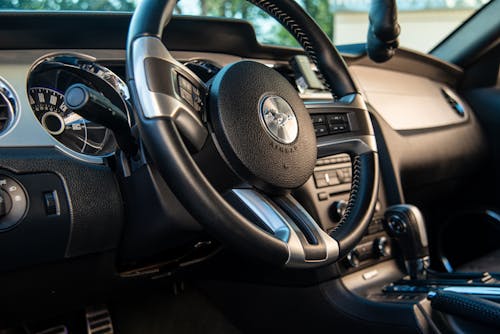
(49, 79)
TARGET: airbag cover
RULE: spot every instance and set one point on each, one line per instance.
(262, 126)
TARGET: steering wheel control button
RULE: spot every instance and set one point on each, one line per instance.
(279, 119)
(15, 203)
(51, 201)
(397, 225)
(328, 124)
(189, 93)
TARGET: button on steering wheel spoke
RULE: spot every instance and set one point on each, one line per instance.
(168, 89)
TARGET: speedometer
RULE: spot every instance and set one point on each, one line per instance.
(67, 127)
(49, 79)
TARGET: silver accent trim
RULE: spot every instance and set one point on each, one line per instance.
(276, 221)
(88, 64)
(265, 211)
(153, 103)
(359, 145)
(351, 101)
(332, 245)
(10, 97)
(85, 63)
(59, 118)
(159, 105)
(27, 132)
(474, 290)
(98, 321)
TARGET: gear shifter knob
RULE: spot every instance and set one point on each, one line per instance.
(406, 225)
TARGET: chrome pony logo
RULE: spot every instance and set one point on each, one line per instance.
(278, 119)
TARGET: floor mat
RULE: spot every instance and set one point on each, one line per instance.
(189, 312)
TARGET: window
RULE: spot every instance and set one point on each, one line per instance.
(424, 23)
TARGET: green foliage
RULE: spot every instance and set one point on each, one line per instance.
(267, 29)
(270, 31)
(318, 9)
(55, 5)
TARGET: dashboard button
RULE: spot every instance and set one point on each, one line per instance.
(51, 203)
(337, 119)
(323, 196)
(187, 96)
(185, 84)
(318, 119)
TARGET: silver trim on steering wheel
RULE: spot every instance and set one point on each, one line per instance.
(285, 229)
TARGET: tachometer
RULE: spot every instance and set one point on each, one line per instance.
(67, 127)
(48, 80)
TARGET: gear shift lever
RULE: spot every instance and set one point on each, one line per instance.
(406, 225)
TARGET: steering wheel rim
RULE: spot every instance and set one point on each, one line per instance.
(171, 125)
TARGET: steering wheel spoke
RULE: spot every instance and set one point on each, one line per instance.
(287, 220)
(356, 135)
(168, 89)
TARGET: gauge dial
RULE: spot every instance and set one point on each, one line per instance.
(68, 127)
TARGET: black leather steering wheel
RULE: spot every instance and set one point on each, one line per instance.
(261, 130)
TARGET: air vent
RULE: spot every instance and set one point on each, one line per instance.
(7, 108)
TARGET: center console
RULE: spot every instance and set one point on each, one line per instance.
(445, 300)
(329, 190)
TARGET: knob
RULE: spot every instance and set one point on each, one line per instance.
(337, 210)
(381, 247)
(353, 259)
(13, 203)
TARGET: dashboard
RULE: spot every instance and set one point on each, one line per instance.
(77, 191)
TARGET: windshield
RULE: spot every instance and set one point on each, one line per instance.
(424, 23)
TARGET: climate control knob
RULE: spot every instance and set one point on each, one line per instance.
(353, 259)
(337, 210)
(13, 202)
(382, 247)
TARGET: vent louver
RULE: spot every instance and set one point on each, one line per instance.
(7, 109)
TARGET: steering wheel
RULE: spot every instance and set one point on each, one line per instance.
(261, 130)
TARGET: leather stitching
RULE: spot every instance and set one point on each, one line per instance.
(296, 30)
(356, 180)
(472, 306)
